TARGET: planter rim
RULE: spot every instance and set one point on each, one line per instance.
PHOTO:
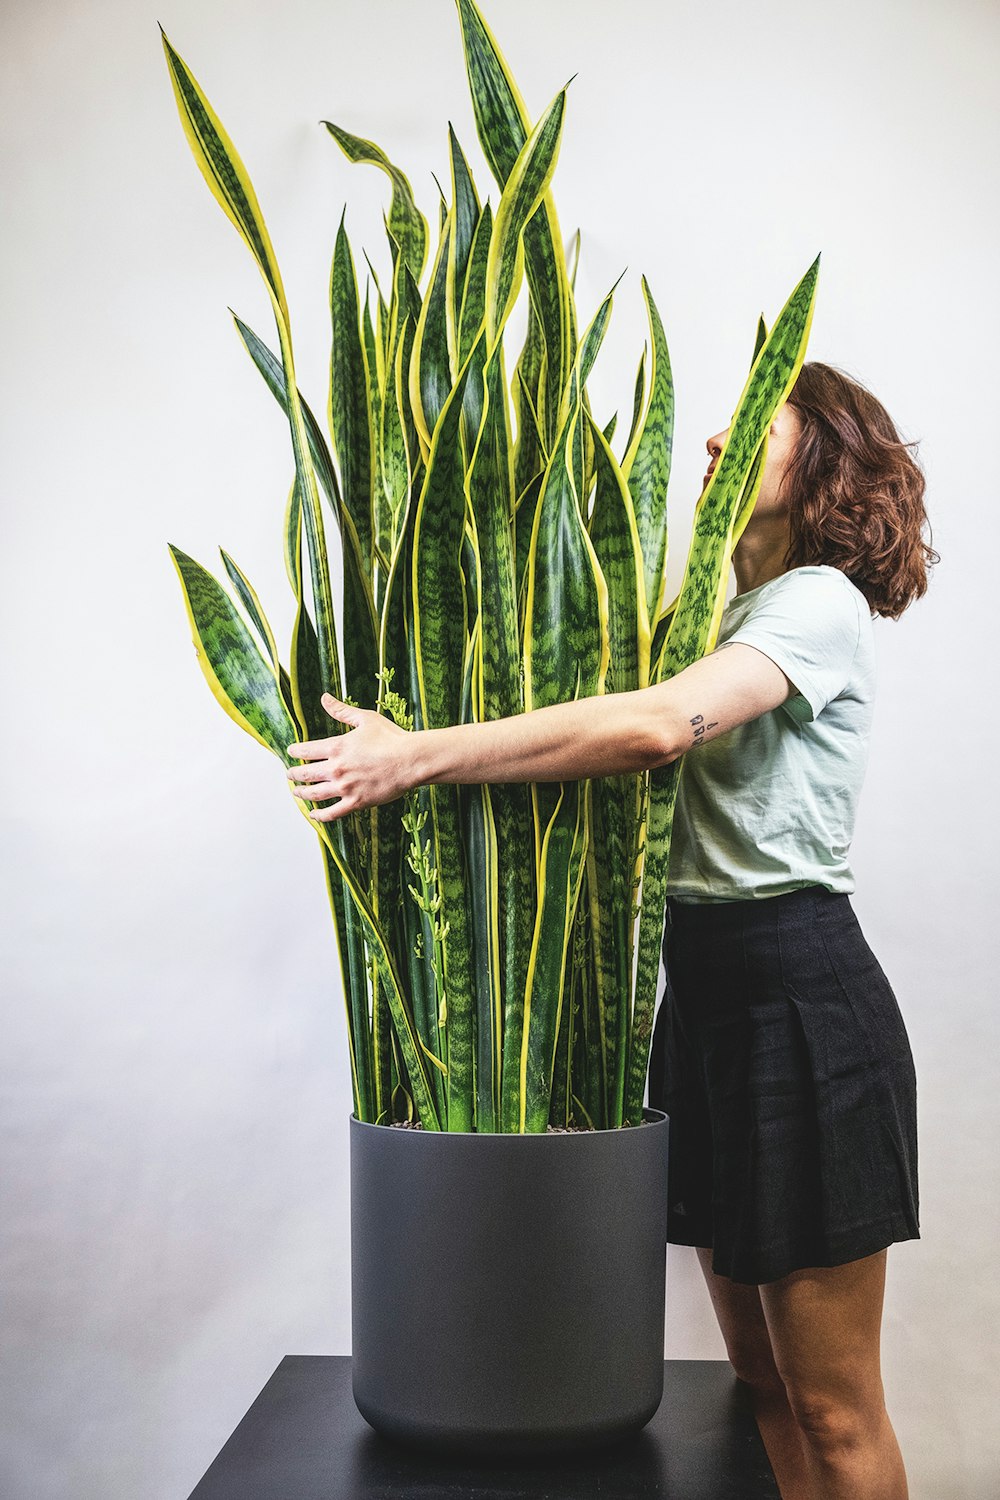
(650, 1116)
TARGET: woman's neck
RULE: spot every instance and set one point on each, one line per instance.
(760, 553)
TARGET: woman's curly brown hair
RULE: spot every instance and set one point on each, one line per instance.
(855, 491)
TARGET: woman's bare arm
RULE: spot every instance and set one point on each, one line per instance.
(610, 733)
(600, 736)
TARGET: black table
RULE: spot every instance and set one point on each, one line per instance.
(304, 1439)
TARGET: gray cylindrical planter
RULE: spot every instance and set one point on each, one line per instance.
(508, 1290)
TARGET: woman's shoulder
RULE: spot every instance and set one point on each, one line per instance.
(813, 581)
(807, 571)
(815, 607)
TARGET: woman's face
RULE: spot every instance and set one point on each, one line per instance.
(784, 432)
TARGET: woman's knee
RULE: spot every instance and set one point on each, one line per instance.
(832, 1423)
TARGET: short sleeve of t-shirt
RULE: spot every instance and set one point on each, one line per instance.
(809, 624)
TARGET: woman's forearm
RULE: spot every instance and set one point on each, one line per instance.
(606, 735)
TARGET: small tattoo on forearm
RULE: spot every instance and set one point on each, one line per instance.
(700, 728)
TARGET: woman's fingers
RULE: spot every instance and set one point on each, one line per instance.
(327, 814)
(353, 776)
(317, 770)
(345, 712)
(320, 793)
(311, 749)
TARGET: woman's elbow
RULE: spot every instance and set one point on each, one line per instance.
(670, 737)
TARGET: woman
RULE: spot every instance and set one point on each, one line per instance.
(778, 1051)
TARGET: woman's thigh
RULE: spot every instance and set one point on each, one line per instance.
(817, 1332)
(824, 1327)
(740, 1316)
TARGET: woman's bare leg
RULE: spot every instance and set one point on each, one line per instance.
(748, 1344)
(808, 1347)
(824, 1326)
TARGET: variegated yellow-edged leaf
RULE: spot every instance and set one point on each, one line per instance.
(381, 320)
(565, 640)
(561, 868)
(615, 535)
(227, 177)
(522, 193)
(465, 222)
(306, 670)
(400, 1011)
(503, 125)
(473, 309)
(491, 505)
(438, 588)
(307, 689)
(638, 397)
(234, 668)
(583, 443)
(393, 464)
(442, 204)
(646, 465)
(361, 631)
(360, 626)
(744, 511)
(616, 800)
(406, 222)
(416, 450)
(567, 606)
(574, 260)
(770, 380)
(498, 657)
(223, 170)
(484, 861)
(659, 640)
(245, 686)
(524, 520)
(531, 452)
(760, 340)
(748, 499)
(349, 412)
(439, 640)
(379, 509)
(528, 415)
(590, 343)
(430, 369)
(248, 597)
(471, 316)
(270, 367)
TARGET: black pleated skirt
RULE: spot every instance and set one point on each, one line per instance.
(781, 1057)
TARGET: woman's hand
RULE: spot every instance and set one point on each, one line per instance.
(373, 764)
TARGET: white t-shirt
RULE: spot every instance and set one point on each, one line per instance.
(770, 805)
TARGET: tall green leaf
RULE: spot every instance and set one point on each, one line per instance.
(646, 465)
(566, 640)
(439, 643)
(689, 636)
(350, 413)
(503, 126)
(406, 223)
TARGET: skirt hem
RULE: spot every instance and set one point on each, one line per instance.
(774, 1267)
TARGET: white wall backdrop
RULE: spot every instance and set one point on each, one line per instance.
(175, 1078)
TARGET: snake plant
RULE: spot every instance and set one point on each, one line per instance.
(496, 555)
